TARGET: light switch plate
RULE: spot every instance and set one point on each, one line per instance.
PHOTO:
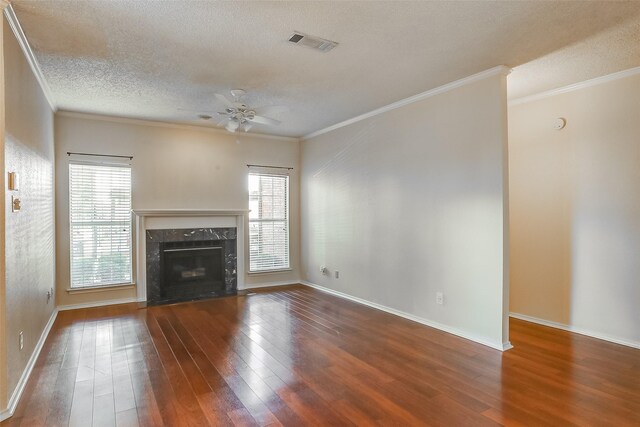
(14, 181)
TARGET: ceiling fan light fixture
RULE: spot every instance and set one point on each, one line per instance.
(238, 115)
(232, 125)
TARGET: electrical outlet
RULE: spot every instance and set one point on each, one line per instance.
(439, 298)
(324, 270)
(337, 274)
(21, 340)
(49, 295)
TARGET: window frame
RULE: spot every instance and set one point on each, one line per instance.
(88, 288)
(261, 172)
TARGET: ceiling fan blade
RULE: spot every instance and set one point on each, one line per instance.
(188, 110)
(237, 94)
(222, 122)
(272, 110)
(265, 121)
(224, 100)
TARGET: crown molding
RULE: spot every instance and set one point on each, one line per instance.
(172, 125)
(576, 86)
(499, 70)
(12, 19)
(4, 4)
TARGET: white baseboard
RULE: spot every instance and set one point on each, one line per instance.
(97, 303)
(17, 392)
(270, 284)
(569, 328)
(430, 323)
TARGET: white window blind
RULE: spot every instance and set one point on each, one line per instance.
(100, 224)
(268, 222)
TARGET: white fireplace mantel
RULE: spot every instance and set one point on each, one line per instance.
(190, 212)
(156, 219)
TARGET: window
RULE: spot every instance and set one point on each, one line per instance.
(268, 222)
(100, 224)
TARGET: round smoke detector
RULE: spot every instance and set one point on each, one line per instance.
(559, 123)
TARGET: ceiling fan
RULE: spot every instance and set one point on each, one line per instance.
(239, 116)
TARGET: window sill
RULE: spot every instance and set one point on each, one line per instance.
(102, 288)
(282, 270)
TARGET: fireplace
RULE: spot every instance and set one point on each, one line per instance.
(190, 264)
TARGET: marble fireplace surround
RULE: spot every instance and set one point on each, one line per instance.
(165, 219)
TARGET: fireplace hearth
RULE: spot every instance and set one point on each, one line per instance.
(190, 264)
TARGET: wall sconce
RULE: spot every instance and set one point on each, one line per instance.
(14, 181)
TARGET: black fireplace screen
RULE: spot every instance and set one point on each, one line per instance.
(192, 269)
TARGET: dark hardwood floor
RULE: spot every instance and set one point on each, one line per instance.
(295, 356)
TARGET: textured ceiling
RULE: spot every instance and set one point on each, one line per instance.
(612, 50)
(155, 59)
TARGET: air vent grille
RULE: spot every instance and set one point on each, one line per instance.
(313, 42)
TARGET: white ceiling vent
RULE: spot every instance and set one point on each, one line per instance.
(317, 43)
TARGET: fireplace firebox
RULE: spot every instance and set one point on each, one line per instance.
(190, 264)
(192, 270)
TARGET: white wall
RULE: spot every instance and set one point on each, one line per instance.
(29, 234)
(411, 202)
(575, 209)
(174, 167)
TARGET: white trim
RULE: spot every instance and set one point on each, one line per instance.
(501, 69)
(569, 328)
(250, 286)
(258, 273)
(190, 212)
(166, 124)
(576, 86)
(102, 288)
(430, 323)
(12, 19)
(17, 392)
(97, 303)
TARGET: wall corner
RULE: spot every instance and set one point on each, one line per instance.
(3, 347)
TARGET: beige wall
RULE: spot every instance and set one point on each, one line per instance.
(411, 202)
(29, 238)
(174, 167)
(575, 209)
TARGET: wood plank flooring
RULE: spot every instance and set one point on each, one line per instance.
(295, 356)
